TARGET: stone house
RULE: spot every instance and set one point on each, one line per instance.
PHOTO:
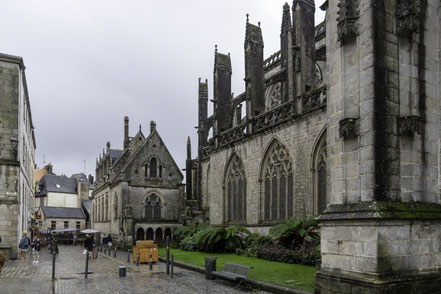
(139, 190)
(62, 218)
(56, 191)
(17, 151)
(266, 160)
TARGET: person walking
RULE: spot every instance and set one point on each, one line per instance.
(109, 240)
(36, 247)
(75, 237)
(88, 244)
(23, 246)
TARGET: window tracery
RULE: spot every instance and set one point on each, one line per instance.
(278, 182)
(153, 207)
(235, 206)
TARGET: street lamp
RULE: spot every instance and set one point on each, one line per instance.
(14, 144)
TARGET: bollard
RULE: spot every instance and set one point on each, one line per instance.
(87, 264)
(128, 256)
(137, 260)
(167, 256)
(110, 250)
(104, 250)
(172, 264)
(114, 252)
(53, 266)
(150, 263)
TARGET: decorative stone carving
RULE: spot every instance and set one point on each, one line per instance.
(349, 128)
(409, 125)
(408, 12)
(318, 75)
(347, 20)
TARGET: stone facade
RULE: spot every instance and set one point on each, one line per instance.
(17, 146)
(279, 140)
(380, 231)
(138, 190)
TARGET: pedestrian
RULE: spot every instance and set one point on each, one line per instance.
(36, 247)
(23, 246)
(75, 239)
(94, 251)
(105, 241)
(109, 240)
(88, 244)
(48, 241)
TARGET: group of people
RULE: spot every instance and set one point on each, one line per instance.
(26, 244)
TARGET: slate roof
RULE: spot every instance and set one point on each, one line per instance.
(86, 205)
(115, 153)
(60, 184)
(62, 212)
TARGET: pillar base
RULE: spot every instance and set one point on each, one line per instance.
(337, 282)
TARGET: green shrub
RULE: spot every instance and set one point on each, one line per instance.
(293, 232)
(221, 239)
(188, 244)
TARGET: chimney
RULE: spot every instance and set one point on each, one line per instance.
(126, 132)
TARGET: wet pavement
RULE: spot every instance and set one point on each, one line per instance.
(30, 278)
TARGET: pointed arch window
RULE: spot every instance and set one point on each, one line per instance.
(320, 174)
(277, 181)
(236, 200)
(153, 168)
(115, 206)
(153, 208)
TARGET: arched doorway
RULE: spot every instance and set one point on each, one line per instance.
(158, 235)
(149, 235)
(167, 233)
(140, 234)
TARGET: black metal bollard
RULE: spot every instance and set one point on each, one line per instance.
(110, 250)
(114, 252)
(87, 264)
(150, 263)
(137, 259)
(172, 264)
(128, 256)
(53, 266)
(167, 257)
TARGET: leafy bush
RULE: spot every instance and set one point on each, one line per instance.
(188, 230)
(220, 239)
(294, 231)
(254, 241)
(307, 254)
(188, 244)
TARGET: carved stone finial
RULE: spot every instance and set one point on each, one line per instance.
(108, 145)
(215, 48)
(152, 126)
(248, 17)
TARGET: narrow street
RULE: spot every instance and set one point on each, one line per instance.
(29, 278)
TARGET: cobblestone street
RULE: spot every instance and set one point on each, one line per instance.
(29, 278)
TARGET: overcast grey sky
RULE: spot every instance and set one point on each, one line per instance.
(89, 63)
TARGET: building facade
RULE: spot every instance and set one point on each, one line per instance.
(360, 148)
(139, 190)
(17, 150)
(266, 160)
(60, 193)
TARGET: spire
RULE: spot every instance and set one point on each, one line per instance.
(286, 19)
(222, 61)
(253, 34)
(188, 148)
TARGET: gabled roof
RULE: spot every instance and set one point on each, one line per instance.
(60, 184)
(62, 212)
(135, 153)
